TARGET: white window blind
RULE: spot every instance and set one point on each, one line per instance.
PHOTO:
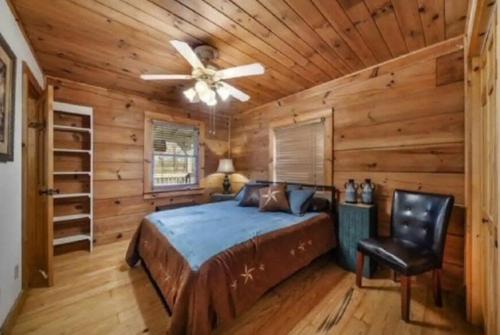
(299, 154)
(175, 155)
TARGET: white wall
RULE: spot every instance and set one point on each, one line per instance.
(10, 172)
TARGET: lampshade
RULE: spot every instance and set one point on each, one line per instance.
(225, 166)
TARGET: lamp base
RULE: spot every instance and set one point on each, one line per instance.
(226, 185)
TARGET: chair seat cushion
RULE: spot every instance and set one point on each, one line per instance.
(403, 256)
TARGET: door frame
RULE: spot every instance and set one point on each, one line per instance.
(31, 87)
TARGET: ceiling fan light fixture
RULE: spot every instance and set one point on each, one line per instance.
(207, 96)
(190, 94)
(201, 87)
(223, 92)
(212, 102)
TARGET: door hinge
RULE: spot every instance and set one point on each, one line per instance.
(49, 192)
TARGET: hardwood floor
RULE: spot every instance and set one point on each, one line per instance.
(98, 294)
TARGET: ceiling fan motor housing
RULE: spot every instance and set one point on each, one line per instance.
(206, 53)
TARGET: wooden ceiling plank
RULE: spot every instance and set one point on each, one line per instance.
(266, 80)
(161, 86)
(337, 17)
(289, 17)
(310, 14)
(383, 14)
(81, 72)
(455, 16)
(214, 22)
(362, 20)
(260, 31)
(293, 38)
(432, 15)
(224, 41)
(410, 23)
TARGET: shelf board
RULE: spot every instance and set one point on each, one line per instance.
(70, 195)
(71, 173)
(72, 150)
(71, 239)
(71, 217)
(70, 128)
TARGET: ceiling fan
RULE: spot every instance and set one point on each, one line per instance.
(208, 78)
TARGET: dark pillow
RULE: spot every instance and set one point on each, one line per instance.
(251, 195)
(239, 195)
(318, 204)
(299, 201)
(273, 199)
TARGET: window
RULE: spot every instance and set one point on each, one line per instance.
(175, 155)
(299, 154)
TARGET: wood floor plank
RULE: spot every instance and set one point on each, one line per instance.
(98, 294)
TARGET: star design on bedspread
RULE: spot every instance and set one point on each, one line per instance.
(302, 246)
(234, 284)
(261, 267)
(270, 195)
(292, 252)
(166, 278)
(247, 274)
(310, 242)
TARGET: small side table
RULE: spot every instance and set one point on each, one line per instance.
(356, 222)
(217, 197)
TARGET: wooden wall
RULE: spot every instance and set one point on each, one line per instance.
(400, 123)
(119, 203)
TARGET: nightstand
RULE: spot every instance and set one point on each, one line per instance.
(217, 197)
(356, 222)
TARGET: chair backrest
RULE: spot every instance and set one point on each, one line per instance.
(421, 218)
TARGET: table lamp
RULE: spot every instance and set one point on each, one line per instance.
(226, 166)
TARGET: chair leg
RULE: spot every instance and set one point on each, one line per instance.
(436, 279)
(360, 260)
(405, 297)
(394, 276)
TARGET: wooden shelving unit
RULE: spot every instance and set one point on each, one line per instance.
(73, 174)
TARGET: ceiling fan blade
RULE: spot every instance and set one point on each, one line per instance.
(185, 50)
(236, 93)
(166, 76)
(240, 71)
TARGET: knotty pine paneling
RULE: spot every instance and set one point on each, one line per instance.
(119, 204)
(301, 43)
(400, 123)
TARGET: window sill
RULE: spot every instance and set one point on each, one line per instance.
(174, 193)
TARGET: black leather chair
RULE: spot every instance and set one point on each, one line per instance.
(419, 222)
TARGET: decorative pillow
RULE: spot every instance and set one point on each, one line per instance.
(273, 199)
(239, 195)
(318, 204)
(299, 201)
(251, 195)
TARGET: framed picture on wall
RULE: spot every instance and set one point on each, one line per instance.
(7, 100)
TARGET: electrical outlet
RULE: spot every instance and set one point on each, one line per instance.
(16, 271)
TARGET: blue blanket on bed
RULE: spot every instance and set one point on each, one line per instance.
(200, 232)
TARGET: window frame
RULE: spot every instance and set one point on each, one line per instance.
(149, 119)
(324, 116)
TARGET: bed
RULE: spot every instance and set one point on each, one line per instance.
(211, 262)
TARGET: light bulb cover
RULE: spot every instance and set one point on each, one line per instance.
(223, 92)
(201, 87)
(212, 102)
(190, 94)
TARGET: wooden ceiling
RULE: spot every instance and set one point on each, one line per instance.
(300, 42)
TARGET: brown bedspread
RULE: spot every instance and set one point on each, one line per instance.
(231, 281)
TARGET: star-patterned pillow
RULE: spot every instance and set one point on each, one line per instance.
(273, 199)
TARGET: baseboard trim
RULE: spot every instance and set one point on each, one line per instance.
(10, 320)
